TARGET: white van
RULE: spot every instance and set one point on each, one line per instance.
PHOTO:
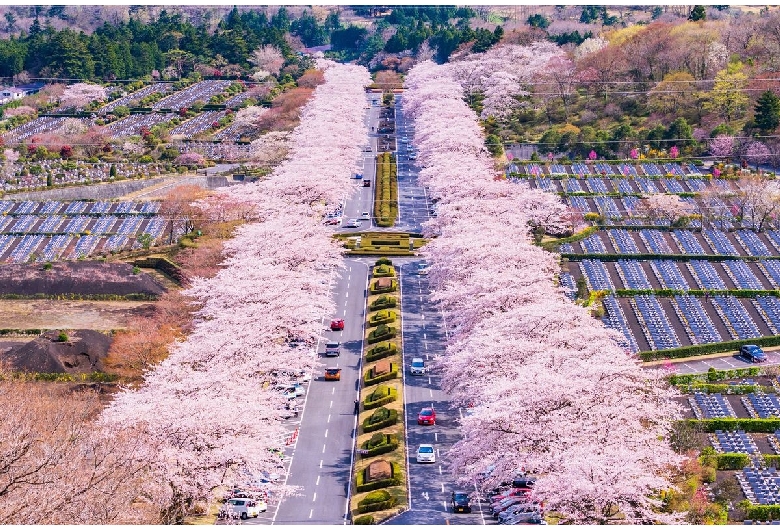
(240, 507)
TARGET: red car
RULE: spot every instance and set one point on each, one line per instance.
(427, 416)
(337, 325)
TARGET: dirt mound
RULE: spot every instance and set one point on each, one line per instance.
(83, 352)
(86, 278)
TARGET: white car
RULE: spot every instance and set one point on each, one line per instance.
(365, 216)
(352, 223)
(243, 508)
(426, 454)
(417, 367)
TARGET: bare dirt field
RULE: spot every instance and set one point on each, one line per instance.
(69, 314)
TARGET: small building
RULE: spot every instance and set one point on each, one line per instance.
(11, 94)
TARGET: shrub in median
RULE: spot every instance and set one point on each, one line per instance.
(704, 349)
(382, 395)
(363, 485)
(380, 351)
(764, 512)
(383, 316)
(380, 419)
(383, 302)
(364, 519)
(383, 261)
(712, 376)
(380, 443)
(380, 333)
(376, 501)
(383, 271)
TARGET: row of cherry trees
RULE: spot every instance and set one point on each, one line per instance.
(210, 409)
(551, 391)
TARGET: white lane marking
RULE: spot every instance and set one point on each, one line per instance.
(442, 487)
(436, 436)
(346, 295)
(431, 391)
(333, 390)
(331, 405)
(311, 512)
(422, 316)
(349, 278)
(460, 411)
(425, 336)
(314, 499)
(323, 448)
(429, 379)
(426, 345)
(345, 311)
(427, 357)
(326, 433)
(320, 464)
(328, 418)
(440, 472)
(444, 503)
(318, 478)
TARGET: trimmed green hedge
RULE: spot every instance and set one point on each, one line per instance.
(362, 251)
(731, 461)
(380, 419)
(710, 388)
(368, 380)
(382, 395)
(762, 512)
(383, 271)
(389, 442)
(364, 519)
(770, 461)
(383, 316)
(733, 424)
(381, 351)
(362, 486)
(713, 375)
(380, 333)
(383, 302)
(704, 349)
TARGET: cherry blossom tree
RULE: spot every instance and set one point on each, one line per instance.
(757, 153)
(205, 407)
(80, 95)
(267, 59)
(722, 146)
(503, 307)
(670, 208)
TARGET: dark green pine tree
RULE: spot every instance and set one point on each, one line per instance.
(767, 111)
(698, 13)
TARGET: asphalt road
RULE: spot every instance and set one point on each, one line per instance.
(322, 455)
(424, 336)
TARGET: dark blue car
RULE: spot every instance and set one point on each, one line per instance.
(752, 353)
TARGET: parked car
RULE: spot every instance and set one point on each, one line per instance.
(422, 268)
(427, 416)
(243, 508)
(460, 502)
(752, 353)
(337, 325)
(365, 216)
(352, 223)
(413, 156)
(366, 183)
(332, 374)
(332, 349)
(417, 367)
(426, 454)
